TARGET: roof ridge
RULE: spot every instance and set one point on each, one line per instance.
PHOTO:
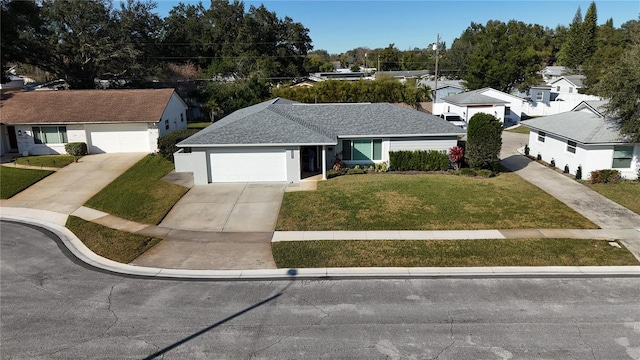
(309, 125)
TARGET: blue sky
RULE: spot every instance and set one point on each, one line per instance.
(338, 26)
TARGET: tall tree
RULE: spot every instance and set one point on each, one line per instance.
(621, 84)
(390, 58)
(589, 32)
(506, 56)
(609, 48)
(19, 17)
(569, 54)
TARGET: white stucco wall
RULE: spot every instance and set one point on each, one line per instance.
(590, 157)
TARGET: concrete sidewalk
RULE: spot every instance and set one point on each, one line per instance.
(80, 251)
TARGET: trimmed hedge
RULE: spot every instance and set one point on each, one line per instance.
(167, 143)
(76, 148)
(418, 160)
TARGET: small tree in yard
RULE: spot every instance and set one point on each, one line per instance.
(456, 154)
(484, 141)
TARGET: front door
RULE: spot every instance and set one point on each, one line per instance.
(13, 141)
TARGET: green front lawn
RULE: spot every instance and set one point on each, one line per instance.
(625, 193)
(14, 180)
(139, 194)
(449, 253)
(56, 161)
(520, 130)
(425, 202)
(112, 244)
(198, 125)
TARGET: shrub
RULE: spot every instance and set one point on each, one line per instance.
(456, 155)
(579, 173)
(484, 141)
(467, 172)
(566, 169)
(355, 171)
(381, 167)
(167, 143)
(419, 160)
(76, 148)
(604, 176)
(485, 173)
(553, 163)
(526, 150)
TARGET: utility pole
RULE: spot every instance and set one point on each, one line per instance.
(436, 47)
(377, 71)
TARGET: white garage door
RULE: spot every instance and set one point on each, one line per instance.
(248, 165)
(119, 138)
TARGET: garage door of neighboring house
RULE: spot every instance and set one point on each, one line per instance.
(248, 165)
(118, 138)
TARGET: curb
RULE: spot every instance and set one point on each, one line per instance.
(85, 255)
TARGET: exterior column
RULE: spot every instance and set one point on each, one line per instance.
(324, 162)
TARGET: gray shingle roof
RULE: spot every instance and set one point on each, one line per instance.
(584, 127)
(473, 98)
(285, 122)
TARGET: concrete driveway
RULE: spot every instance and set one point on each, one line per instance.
(230, 207)
(219, 226)
(70, 187)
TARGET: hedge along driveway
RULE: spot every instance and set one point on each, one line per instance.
(425, 202)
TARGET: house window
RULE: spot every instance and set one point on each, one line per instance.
(558, 88)
(362, 149)
(622, 156)
(181, 117)
(346, 149)
(507, 110)
(539, 96)
(166, 124)
(570, 89)
(50, 134)
(541, 136)
(571, 146)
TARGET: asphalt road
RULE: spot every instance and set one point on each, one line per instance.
(51, 307)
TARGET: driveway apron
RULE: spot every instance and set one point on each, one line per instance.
(219, 226)
(69, 188)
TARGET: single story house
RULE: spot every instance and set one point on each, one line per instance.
(506, 107)
(279, 139)
(108, 121)
(583, 137)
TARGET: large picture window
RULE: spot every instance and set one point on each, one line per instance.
(50, 134)
(622, 156)
(362, 149)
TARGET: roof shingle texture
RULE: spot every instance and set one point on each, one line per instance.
(584, 127)
(473, 98)
(284, 122)
(84, 106)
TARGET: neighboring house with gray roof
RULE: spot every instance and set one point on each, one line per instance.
(279, 140)
(506, 107)
(583, 137)
(568, 84)
(445, 88)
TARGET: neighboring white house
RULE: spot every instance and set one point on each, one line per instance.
(506, 107)
(279, 139)
(445, 88)
(552, 73)
(567, 85)
(583, 137)
(108, 121)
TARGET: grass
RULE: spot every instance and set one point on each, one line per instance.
(139, 194)
(519, 130)
(425, 202)
(449, 253)
(198, 125)
(625, 193)
(110, 243)
(56, 161)
(14, 180)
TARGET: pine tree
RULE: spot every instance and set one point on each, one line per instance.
(570, 54)
(589, 32)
